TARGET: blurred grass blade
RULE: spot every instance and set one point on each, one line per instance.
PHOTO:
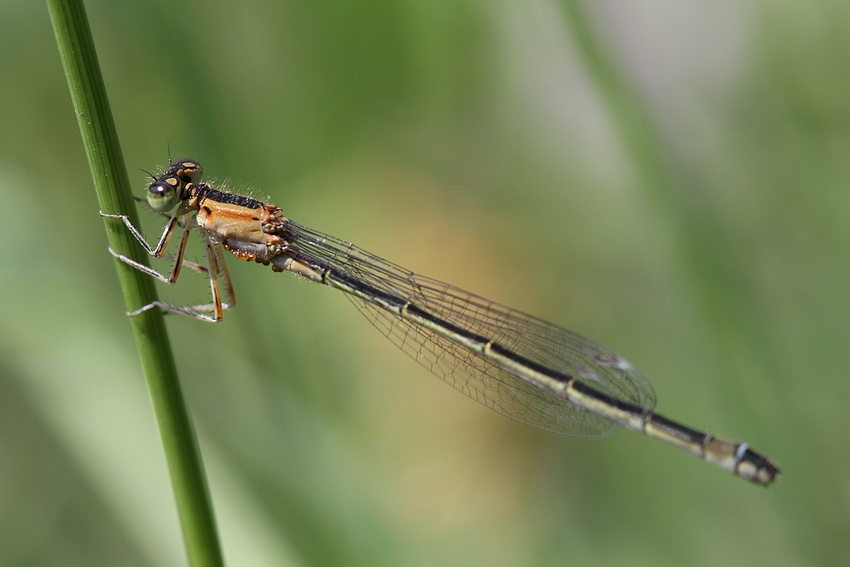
(82, 71)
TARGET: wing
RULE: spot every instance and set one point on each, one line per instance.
(541, 342)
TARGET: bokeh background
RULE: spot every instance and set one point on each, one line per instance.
(669, 178)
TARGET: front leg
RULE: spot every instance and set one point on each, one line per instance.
(163, 240)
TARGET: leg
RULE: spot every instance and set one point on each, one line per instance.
(163, 240)
(217, 268)
(157, 253)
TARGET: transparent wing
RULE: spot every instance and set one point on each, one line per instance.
(539, 341)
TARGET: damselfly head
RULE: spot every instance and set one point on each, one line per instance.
(171, 187)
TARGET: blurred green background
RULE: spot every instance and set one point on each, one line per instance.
(668, 178)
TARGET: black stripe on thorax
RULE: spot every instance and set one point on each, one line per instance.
(207, 192)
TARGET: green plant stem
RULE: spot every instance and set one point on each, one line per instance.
(82, 70)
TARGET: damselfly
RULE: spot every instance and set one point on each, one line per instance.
(521, 366)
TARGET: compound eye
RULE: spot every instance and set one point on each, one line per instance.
(162, 195)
